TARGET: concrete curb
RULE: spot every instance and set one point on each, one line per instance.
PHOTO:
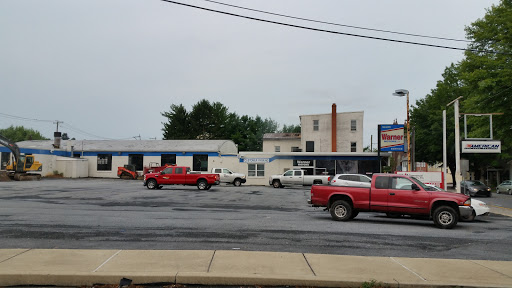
(66, 267)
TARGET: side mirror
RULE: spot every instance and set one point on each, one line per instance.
(415, 187)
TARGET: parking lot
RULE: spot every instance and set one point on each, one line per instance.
(122, 214)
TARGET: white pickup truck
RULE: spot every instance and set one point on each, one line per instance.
(297, 177)
(228, 176)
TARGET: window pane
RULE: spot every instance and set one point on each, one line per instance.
(167, 159)
(402, 184)
(353, 125)
(381, 182)
(104, 162)
(137, 160)
(310, 146)
(353, 147)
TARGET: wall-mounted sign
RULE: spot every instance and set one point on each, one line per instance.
(392, 138)
(256, 160)
(481, 147)
(303, 163)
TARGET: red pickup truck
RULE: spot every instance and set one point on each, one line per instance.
(180, 175)
(394, 195)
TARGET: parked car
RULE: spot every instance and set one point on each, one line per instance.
(474, 188)
(297, 177)
(505, 186)
(479, 207)
(228, 176)
(352, 180)
(394, 195)
(180, 175)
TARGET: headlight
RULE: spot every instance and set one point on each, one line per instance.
(488, 189)
(468, 202)
(473, 189)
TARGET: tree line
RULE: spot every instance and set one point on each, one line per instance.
(485, 82)
(20, 133)
(212, 120)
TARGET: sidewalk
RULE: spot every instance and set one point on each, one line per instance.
(24, 267)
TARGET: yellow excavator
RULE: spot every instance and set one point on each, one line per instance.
(22, 166)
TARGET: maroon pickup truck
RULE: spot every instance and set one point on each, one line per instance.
(180, 175)
(394, 195)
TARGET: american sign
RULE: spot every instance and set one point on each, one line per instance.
(392, 138)
(481, 146)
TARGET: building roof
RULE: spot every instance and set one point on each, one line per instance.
(281, 136)
(220, 146)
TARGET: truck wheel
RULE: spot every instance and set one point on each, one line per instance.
(201, 184)
(237, 182)
(276, 184)
(341, 210)
(151, 184)
(445, 217)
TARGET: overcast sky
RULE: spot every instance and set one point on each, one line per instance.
(108, 68)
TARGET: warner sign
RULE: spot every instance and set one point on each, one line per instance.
(392, 138)
(481, 146)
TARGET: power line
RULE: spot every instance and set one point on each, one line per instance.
(24, 119)
(341, 25)
(65, 125)
(336, 32)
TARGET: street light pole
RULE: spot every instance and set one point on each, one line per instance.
(401, 93)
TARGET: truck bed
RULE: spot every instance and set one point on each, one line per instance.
(320, 195)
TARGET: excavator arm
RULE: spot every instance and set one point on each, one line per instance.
(14, 149)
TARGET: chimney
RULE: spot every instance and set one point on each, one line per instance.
(333, 128)
(56, 139)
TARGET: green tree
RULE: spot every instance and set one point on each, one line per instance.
(484, 80)
(214, 121)
(488, 78)
(178, 125)
(290, 129)
(20, 133)
(208, 120)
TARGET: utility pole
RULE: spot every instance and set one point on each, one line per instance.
(458, 175)
(57, 122)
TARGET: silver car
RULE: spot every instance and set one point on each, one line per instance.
(352, 180)
(506, 186)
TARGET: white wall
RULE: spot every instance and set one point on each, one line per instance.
(72, 167)
(285, 144)
(323, 136)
